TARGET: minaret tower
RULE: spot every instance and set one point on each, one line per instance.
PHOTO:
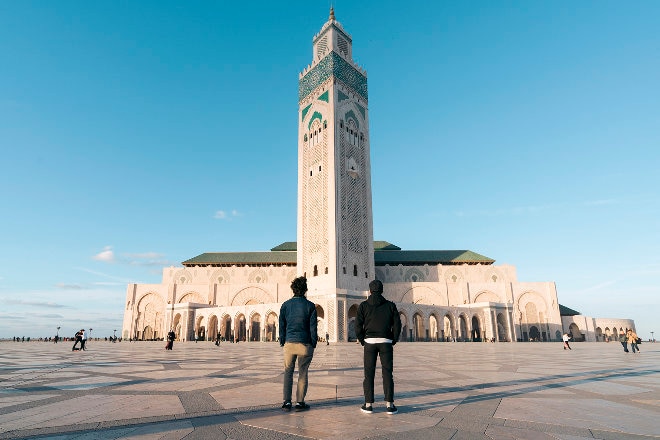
(335, 227)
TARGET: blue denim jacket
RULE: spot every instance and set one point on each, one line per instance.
(298, 321)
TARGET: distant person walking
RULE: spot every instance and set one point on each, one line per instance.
(632, 340)
(377, 327)
(78, 339)
(83, 339)
(565, 337)
(624, 341)
(298, 335)
(170, 340)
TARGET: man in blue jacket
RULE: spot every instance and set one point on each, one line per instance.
(377, 326)
(298, 336)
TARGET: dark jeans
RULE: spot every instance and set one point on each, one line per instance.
(371, 352)
(625, 346)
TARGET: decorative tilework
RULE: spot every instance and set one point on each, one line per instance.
(332, 64)
(324, 96)
(304, 112)
(316, 115)
(342, 96)
(349, 115)
(362, 110)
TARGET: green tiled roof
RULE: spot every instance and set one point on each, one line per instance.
(286, 246)
(384, 253)
(429, 257)
(243, 258)
(565, 311)
(385, 246)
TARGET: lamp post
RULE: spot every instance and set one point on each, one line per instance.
(652, 340)
(57, 334)
(114, 335)
(90, 333)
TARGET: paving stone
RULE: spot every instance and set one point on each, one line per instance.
(452, 391)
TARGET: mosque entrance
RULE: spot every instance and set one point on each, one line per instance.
(476, 331)
(534, 334)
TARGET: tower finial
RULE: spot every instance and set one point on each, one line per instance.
(332, 13)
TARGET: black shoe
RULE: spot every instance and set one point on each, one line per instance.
(286, 406)
(302, 406)
(367, 409)
(392, 409)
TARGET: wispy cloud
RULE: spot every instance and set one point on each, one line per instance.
(223, 215)
(601, 202)
(33, 303)
(69, 286)
(104, 275)
(106, 255)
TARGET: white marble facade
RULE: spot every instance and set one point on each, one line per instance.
(441, 301)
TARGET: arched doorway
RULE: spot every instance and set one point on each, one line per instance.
(352, 314)
(240, 328)
(433, 328)
(321, 327)
(476, 329)
(176, 326)
(200, 330)
(599, 335)
(419, 333)
(148, 333)
(255, 327)
(404, 327)
(462, 321)
(534, 334)
(213, 332)
(574, 330)
(502, 333)
(448, 328)
(271, 327)
(225, 328)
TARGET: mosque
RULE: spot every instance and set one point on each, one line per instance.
(442, 295)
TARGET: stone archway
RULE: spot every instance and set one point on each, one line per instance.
(240, 329)
(434, 333)
(271, 327)
(463, 327)
(534, 334)
(476, 329)
(502, 333)
(321, 325)
(575, 332)
(448, 333)
(352, 314)
(255, 327)
(419, 332)
(403, 336)
(225, 328)
(213, 331)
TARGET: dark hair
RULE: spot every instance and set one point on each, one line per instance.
(376, 286)
(299, 286)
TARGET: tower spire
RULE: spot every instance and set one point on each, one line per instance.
(332, 14)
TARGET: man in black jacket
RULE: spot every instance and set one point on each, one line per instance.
(377, 326)
(298, 336)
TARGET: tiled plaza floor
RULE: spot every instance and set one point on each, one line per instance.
(443, 391)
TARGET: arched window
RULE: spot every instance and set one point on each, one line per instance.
(316, 270)
(355, 270)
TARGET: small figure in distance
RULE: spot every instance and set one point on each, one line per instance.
(565, 337)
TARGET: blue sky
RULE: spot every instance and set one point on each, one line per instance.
(136, 135)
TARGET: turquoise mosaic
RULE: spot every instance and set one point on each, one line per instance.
(332, 64)
(362, 110)
(324, 96)
(316, 115)
(304, 112)
(342, 96)
(350, 115)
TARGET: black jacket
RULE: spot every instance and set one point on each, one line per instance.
(298, 321)
(377, 318)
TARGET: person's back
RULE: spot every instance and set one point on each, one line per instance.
(298, 336)
(377, 327)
